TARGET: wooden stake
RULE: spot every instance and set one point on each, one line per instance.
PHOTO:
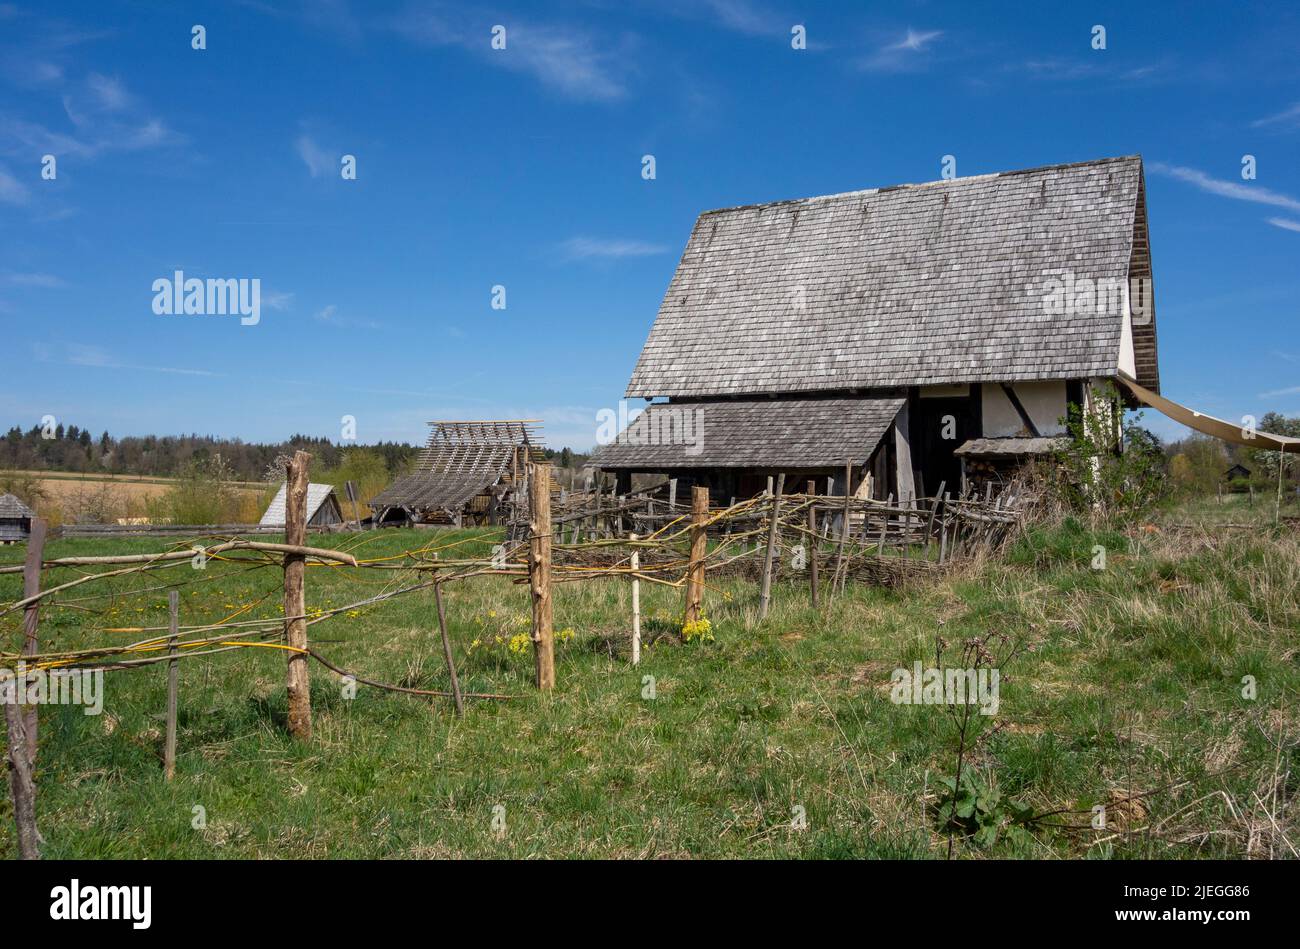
(636, 605)
(844, 528)
(812, 542)
(22, 788)
(539, 571)
(446, 650)
(31, 621)
(765, 599)
(173, 684)
(295, 601)
(695, 567)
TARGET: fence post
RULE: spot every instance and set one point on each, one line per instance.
(844, 528)
(31, 619)
(22, 787)
(446, 650)
(812, 541)
(173, 683)
(765, 599)
(636, 604)
(295, 600)
(539, 571)
(695, 568)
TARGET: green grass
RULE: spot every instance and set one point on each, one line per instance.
(1133, 684)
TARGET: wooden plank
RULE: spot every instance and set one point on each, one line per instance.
(844, 528)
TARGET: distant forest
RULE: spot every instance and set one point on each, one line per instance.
(170, 456)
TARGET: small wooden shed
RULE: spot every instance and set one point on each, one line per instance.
(322, 507)
(15, 519)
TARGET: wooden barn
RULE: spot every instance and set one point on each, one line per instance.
(471, 472)
(323, 508)
(914, 334)
(15, 519)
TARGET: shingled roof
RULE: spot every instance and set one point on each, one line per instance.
(764, 433)
(10, 506)
(910, 285)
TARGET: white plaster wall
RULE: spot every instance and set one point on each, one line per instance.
(1043, 401)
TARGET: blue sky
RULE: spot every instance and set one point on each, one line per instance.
(522, 168)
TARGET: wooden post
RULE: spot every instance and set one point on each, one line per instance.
(695, 567)
(446, 650)
(295, 600)
(636, 605)
(21, 786)
(672, 496)
(539, 571)
(31, 621)
(812, 541)
(173, 683)
(765, 599)
(844, 528)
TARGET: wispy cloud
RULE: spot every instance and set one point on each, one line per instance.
(331, 316)
(902, 55)
(104, 116)
(569, 60)
(586, 248)
(95, 358)
(319, 162)
(41, 280)
(1290, 390)
(1226, 188)
(11, 189)
(1285, 223)
(1288, 116)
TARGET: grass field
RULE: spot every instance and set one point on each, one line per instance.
(1129, 694)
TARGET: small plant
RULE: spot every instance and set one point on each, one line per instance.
(700, 629)
(977, 810)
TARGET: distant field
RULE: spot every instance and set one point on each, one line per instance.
(1130, 696)
(126, 495)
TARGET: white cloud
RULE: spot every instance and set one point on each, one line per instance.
(1288, 116)
(1238, 190)
(11, 189)
(1290, 390)
(109, 91)
(330, 315)
(586, 248)
(905, 54)
(1285, 223)
(569, 60)
(317, 160)
(93, 357)
(41, 280)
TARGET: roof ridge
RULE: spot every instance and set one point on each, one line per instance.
(942, 182)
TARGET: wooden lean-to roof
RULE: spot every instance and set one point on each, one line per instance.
(910, 285)
(763, 433)
(460, 461)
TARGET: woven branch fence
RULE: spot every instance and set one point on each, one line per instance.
(827, 540)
